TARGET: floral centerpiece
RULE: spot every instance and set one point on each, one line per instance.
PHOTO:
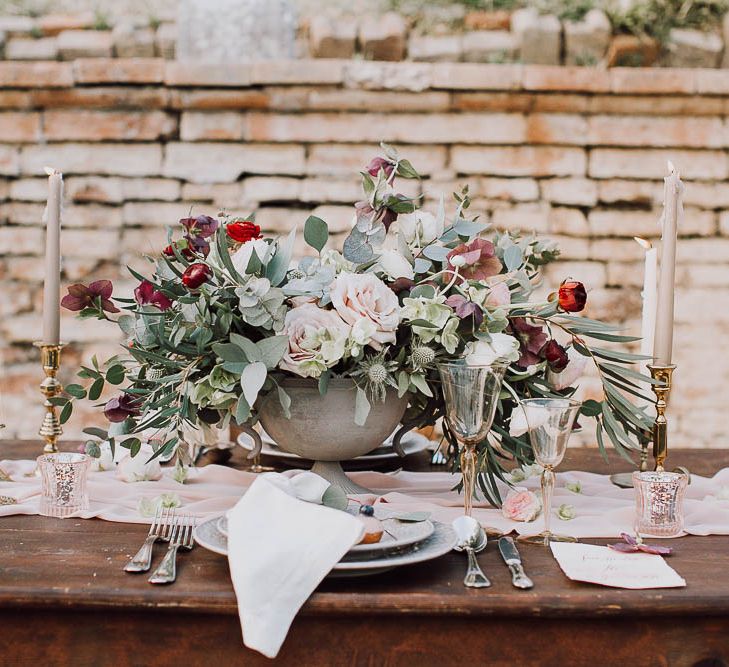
(226, 316)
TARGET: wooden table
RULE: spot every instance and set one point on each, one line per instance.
(64, 600)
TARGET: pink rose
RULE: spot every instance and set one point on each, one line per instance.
(499, 295)
(357, 296)
(521, 505)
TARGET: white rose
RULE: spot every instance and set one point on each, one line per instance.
(420, 227)
(136, 469)
(572, 371)
(242, 256)
(519, 425)
(362, 331)
(317, 340)
(501, 347)
(392, 263)
(363, 295)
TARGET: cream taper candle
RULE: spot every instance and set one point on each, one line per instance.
(52, 283)
(649, 296)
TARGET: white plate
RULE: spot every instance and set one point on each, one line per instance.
(439, 543)
(397, 536)
(412, 443)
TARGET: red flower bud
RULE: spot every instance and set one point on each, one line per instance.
(243, 231)
(572, 296)
(118, 408)
(195, 275)
(185, 252)
(146, 294)
(556, 356)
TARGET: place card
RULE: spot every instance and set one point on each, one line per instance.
(604, 566)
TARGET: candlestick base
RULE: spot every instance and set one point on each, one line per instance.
(663, 375)
(50, 429)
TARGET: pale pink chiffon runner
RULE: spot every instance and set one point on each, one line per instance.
(600, 509)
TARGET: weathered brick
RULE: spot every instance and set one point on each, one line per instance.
(383, 38)
(107, 125)
(280, 219)
(339, 218)
(217, 99)
(711, 251)
(655, 105)
(592, 274)
(494, 101)
(93, 189)
(22, 213)
(348, 159)
(74, 44)
(630, 192)
(523, 217)
(104, 159)
(388, 76)
(131, 41)
(165, 41)
(35, 75)
(499, 19)
(17, 25)
(724, 223)
(704, 275)
(149, 240)
(330, 190)
(519, 161)
(402, 128)
(149, 214)
(335, 99)
(571, 247)
(555, 78)
(330, 38)
(9, 161)
(650, 131)
(556, 129)
(614, 305)
(268, 189)
(17, 298)
(570, 191)
(118, 71)
(606, 250)
(467, 76)
(651, 163)
(221, 163)
(162, 189)
(649, 81)
(22, 48)
(435, 48)
(220, 76)
(509, 189)
(538, 35)
(297, 72)
(19, 126)
(30, 189)
(106, 97)
(586, 41)
(92, 216)
(21, 240)
(490, 46)
(692, 303)
(90, 243)
(53, 24)
(215, 195)
(15, 99)
(224, 126)
(28, 269)
(626, 274)
(568, 221)
(693, 48)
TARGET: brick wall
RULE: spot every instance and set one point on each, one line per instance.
(576, 154)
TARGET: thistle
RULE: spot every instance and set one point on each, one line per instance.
(377, 372)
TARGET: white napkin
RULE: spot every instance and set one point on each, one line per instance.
(279, 549)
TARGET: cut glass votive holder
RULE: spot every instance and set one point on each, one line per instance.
(63, 483)
(659, 503)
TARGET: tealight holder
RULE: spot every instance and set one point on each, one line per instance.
(659, 503)
(63, 483)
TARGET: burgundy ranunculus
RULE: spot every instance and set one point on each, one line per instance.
(185, 251)
(464, 308)
(243, 231)
(195, 275)
(572, 296)
(118, 408)
(203, 226)
(373, 168)
(475, 260)
(80, 296)
(555, 355)
(531, 340)
(146, 294)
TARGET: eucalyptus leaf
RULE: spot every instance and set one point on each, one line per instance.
(96, 432)
(513, 257)
(335, 498)
(285, 400)
(316, 232)
(75, 390)
(252, 379)
(272, 350)
(436, 252)
(324, 383)
(96, 388)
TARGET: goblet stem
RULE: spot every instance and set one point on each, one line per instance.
(468, 469)
(547, 488)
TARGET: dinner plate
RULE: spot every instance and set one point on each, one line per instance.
(442, 540)
(397, 536)
(412, 443)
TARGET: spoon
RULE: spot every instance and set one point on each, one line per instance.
(471, 539)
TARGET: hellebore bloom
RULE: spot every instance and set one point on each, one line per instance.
(203, 226)
(195, 275)
(185, 250)
(531, 339)
(373, 168)
(243, 231)
(555, 355)
(80, 296)
(464, 308)
(476, 260)
(118, 408)
(572, 296)
(146, 294)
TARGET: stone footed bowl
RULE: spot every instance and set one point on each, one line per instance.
(322, 428)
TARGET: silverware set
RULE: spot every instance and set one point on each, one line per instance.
(174, 529)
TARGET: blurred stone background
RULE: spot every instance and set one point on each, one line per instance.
(572, 152)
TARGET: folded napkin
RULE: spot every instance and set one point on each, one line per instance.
(279, 550)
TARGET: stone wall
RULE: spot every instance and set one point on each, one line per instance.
(576, 154)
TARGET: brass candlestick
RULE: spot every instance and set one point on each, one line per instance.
(50, 387)
(663, 376)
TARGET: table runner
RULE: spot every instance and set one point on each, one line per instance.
(600, 508)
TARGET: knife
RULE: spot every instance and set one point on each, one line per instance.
(511, 557)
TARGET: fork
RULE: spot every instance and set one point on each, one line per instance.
(180, 537)
(158, 530)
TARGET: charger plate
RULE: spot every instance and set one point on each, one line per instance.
(438, 544)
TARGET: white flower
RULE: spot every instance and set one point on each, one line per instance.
(362, 331)
(519, 424)
(571, 373)
(306, 486)
(575, 487)
(448, 337)
(433, 311)
(148, 507)
(525, 472)
(105, 461)
(242, 256)
(136, 468)
(317, 340)
(356, 296)
(335, 259)
(392, 263)
(420, 227)
(566, 512)
(501, 347)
